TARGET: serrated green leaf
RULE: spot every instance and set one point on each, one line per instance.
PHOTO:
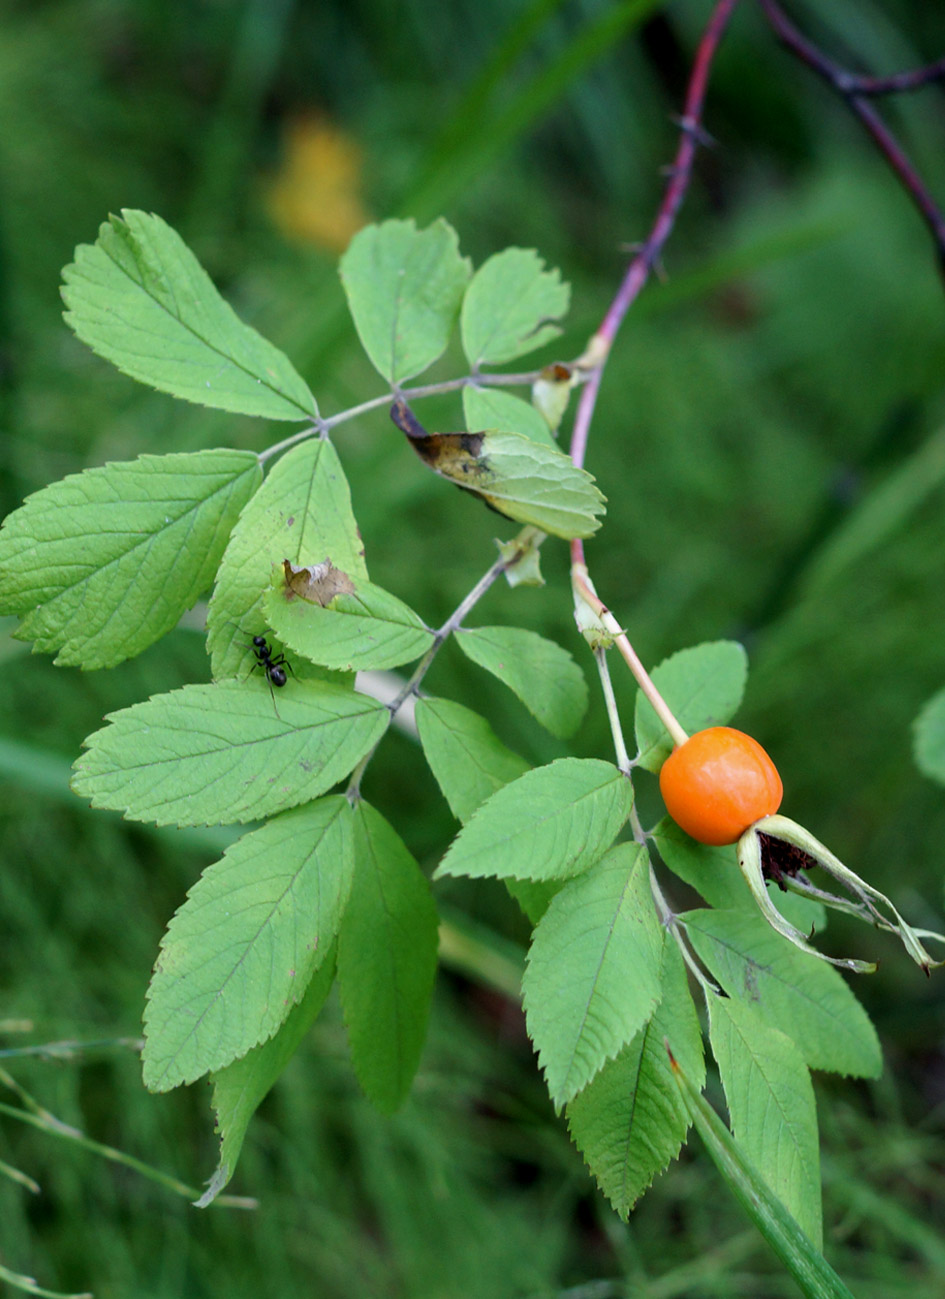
(813, 1274)
(543, 675)
(552, 822)
(929, 738)
(404, 288)
(302, 513)
(363, 629)
(510, 307)
(703, 686)
(469, 763)
(522, 479)
(139, 298)
(467, 758)
(631, 1121)
(241, 950)
(103, 563)
(387, 955)
(804, 998)
(493, 408)
(593, 973)
(239, 1089)
(213, 754)
(771, 1107)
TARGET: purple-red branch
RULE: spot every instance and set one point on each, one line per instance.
(856, 91)
(648, 254)
(914, 79)
(842, 79)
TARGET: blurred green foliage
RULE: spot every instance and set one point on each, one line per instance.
(769, 436)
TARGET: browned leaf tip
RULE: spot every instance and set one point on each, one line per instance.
(457, 457)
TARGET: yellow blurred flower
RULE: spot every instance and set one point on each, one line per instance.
(316, 195)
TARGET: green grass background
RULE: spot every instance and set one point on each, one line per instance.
(770, 438)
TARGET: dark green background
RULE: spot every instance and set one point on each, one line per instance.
(769, 435)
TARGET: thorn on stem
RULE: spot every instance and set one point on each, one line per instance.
(692, 127)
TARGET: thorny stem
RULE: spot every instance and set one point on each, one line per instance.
(849, 83)
(638, 272)
(857, 91)
(322, 425)
(527, 537)
(648, 254)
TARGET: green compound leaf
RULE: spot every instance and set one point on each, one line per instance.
(404, 288)
(771, 1107)
(804, 998)
(303, 513)
(543, 675)
(467, 758)
(631, 1121)
(214, 754)
(241, 950)
(552, 822)
(493, 408)
(929, 738)
(813, 1274)
(702, 685)
(593, 973)
(387, 955)
(103, 563)
(358, 629)
(139, 298)
(524, 480)
(510, 307)
(469, 763)
(239, 1088)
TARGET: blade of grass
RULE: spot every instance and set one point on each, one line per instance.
(480, 147)
(48, 1123)
(27, 1285)
(224, 161)
(894, 1217)
(468, 115)
(18, 1176)
(813, 1274)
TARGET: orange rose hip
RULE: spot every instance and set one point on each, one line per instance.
(719, 783)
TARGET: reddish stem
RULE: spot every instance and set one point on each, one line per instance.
(855, 90)
(842, 79)
(648, 254)
(897, 84)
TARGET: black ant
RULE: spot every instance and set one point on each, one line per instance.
(274, 668)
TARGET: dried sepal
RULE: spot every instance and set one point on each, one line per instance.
(866, 897)
(522, 558)
(750, 864)
(599, 629)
